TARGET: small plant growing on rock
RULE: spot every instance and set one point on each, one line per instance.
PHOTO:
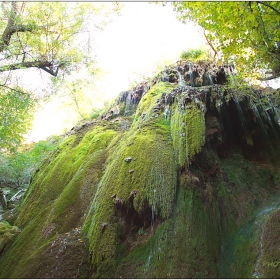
(141, 232)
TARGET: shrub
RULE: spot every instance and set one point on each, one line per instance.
(16, 168)
(194, 54)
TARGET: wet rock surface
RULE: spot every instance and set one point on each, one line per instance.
(197, 74)
(183, 73)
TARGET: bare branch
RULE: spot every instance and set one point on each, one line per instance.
(50, 70)
(210, 44)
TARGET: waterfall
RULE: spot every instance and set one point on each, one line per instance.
(153, 206)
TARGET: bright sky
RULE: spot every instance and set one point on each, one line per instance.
(144, 36)
(131, 46)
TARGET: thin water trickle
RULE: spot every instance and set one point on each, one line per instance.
(153, 214)
(269, 119)
(181, 81)
(240, 114)
(166, 112)
(274, 109)
(152, 233)
(255, 226)
(190, 65)
(261, 219)
(210, 79)
(257, 114)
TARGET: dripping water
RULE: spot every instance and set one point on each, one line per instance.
(240, 114)
(166, 112)
(256, 225)
(181, 81)
(210, 79)
(257, 114)
(274, 110)
(191, 73)
(268, 116)
(151, 231)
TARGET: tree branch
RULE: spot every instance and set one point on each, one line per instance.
(13, 28)
(44, 65)
(210, 43)
(6, 36)
(12, 89)
(269, 6)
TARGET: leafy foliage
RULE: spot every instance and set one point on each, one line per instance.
(49, 36)
(16, 112)
(43, 35)
(16, 168)
(245, 32)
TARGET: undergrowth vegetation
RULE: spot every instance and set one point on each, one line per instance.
(17, 167)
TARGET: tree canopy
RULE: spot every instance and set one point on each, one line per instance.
(47, 36)
(41, 35)
(245, 32)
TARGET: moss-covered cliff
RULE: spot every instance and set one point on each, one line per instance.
(170, 183)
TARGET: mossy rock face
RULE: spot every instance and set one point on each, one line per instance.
(57, 201)
(184, 246)
(169, 192)
(150, 172)
(270, 260)
(207, 234)
(7, 235)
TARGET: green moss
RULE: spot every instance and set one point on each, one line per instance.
(149, 101)
(247, 186)
(152, 172)
(184, 221)
(188, 132)
(184, 246)
(7, 234)
(58, 197)
(154, 178)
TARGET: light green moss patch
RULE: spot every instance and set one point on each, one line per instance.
(188, 132)
(149, 101)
